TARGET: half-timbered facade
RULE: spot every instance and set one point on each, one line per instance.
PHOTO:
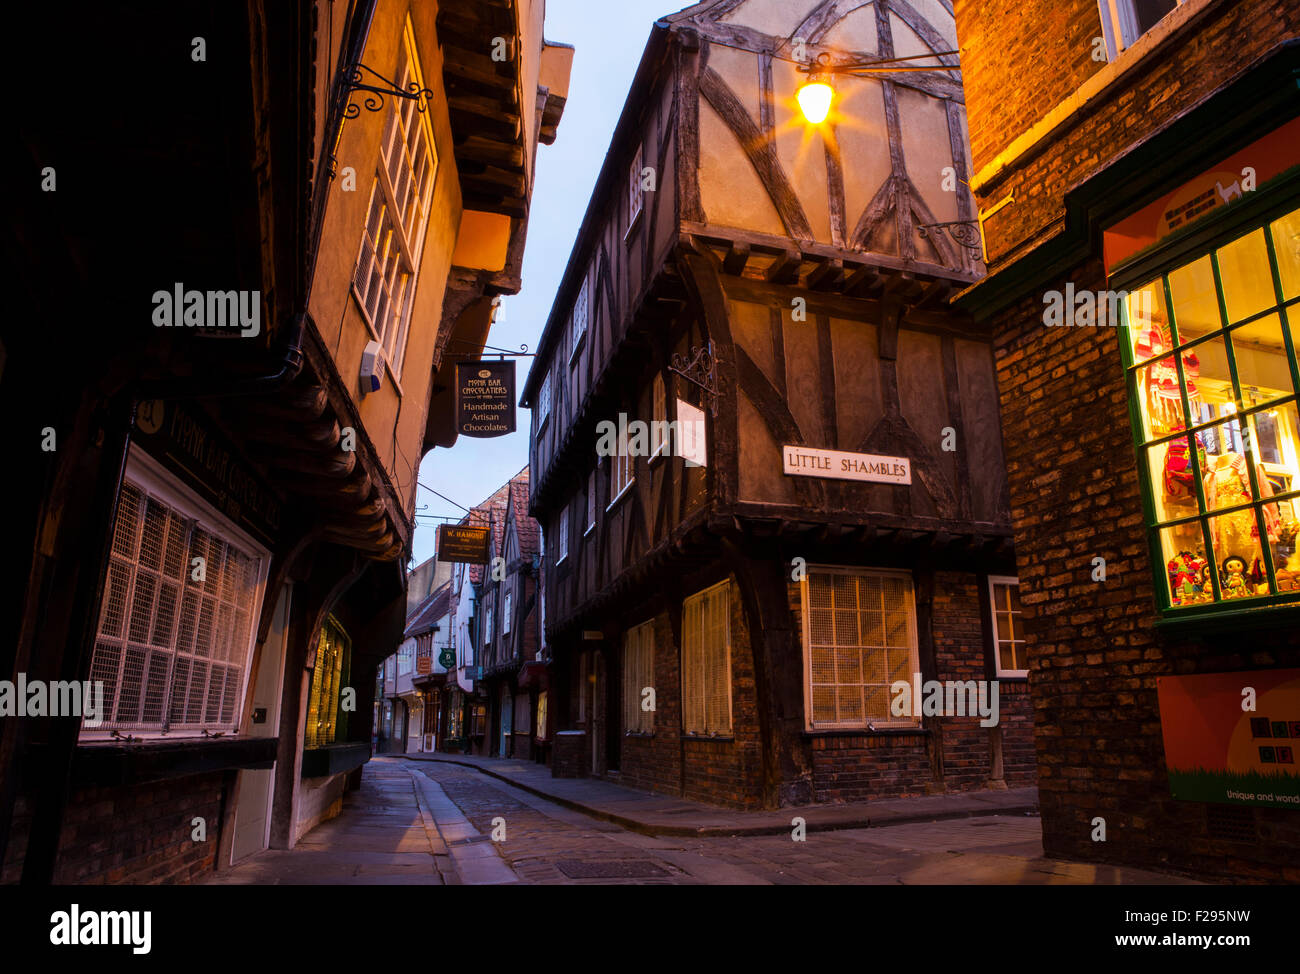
(731, 626)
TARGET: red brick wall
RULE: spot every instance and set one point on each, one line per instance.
(1094, 652)
(1020, 58)
(140, 834)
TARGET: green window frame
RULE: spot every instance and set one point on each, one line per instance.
(1213, 402)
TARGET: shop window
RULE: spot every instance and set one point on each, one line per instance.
(706, 662)
(478, 720)
(638, 673)
(393, 237)
(456, 717)
(1124, 21)
(332, 657)
(175, 630)
(541, 716)
(1009, 645)
(1210, 351)
(859, 637)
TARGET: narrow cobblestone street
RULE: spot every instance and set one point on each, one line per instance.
(421, 822)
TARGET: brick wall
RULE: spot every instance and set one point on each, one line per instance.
(1020, 58)
(1094, 652)
(571, 755)
(140, 834)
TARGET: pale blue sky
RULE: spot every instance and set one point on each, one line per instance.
(609, 36)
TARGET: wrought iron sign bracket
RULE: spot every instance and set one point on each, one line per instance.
(700, 369)
(965, 232)
(374, 100)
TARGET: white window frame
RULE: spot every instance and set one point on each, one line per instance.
(151, 477)
(660, 440)
(400, 240)
(564, 534)
(544, 400)
(621, 477)
(1016, 632)
(578, 322)
(635, 194)
(1119, 25)
(708, 725)
(487, 626)
(591, 503)
(638, 673)
(810, 723)
(505, 613)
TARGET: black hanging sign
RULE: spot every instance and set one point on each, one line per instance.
(485, 398)
(463, 543)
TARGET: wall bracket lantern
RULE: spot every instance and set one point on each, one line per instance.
(700, 369)
(356, 77)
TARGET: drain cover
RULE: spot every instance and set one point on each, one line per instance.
(613, 869)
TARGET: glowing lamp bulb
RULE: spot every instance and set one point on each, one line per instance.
(815, 100)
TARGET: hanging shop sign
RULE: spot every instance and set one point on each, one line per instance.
(423, 665)
(188, 444)
(447, 659)
(485, 398)
(463, 543)
(803, 461)
(1232, 738)
(1232, 179)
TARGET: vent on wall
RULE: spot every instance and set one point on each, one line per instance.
(1231, 822)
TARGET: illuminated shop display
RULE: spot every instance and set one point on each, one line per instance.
(1210, 349)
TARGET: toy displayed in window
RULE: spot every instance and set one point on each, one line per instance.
(1210, 347)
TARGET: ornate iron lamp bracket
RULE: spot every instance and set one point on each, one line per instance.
(964, 232)
(374, 101)
(700, 369)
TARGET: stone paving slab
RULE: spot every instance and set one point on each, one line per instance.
(653, 814)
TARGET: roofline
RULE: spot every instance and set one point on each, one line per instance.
(652, 59)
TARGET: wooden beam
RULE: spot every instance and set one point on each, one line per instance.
(785, 269)
(736, 259)
(825, 276)
(863, 280)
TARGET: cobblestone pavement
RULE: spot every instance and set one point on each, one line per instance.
(545, 843)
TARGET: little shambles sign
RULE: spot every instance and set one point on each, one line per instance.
(485, 398)
(803, 461)
(462, 543)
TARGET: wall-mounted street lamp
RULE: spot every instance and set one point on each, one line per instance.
(816, 94)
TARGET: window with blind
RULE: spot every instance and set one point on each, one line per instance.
(175, 633)
(638, 673)
(332, 657)
(859, 638)
(706, 662)
(1008, 632)
(579, 326)
(635, 194)
(659, 416)
(399, 207)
